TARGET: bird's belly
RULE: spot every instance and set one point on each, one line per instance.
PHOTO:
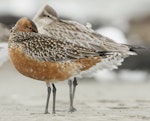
(49, 71)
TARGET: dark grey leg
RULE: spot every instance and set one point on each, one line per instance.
(71, 108)
(70, 93)
(48, 96)
(75, 83)
(54, 98)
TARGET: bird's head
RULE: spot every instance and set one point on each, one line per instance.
(25, 25)
(45, 16)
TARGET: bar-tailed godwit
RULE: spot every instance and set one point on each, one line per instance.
(49, 23)
(48, 59)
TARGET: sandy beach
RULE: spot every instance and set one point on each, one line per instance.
(23, 99)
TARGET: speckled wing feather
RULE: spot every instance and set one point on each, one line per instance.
(79, 34)
(46, 48)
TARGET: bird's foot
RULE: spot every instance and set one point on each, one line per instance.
(72, 109)
(46, 112)
(53, 112)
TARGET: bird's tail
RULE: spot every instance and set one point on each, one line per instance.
(106, 53)
(133, 49)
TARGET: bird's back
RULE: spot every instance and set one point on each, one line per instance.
(44, 58)
(79, 34)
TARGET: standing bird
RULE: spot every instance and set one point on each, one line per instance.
(49, 23)
(48, 59)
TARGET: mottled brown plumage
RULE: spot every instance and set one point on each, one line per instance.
(29, 48)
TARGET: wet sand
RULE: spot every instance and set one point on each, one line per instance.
(23, 99)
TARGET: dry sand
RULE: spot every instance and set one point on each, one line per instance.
(23, 99)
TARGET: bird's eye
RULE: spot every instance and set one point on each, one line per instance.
(48, 16)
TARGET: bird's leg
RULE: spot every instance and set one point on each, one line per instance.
(71, 108)
(54, 98)
(48, 96)
(75, 83)
(70, 94)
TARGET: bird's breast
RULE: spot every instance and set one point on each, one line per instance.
(49, 71)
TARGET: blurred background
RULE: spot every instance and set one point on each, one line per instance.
(121, 94)
(124, 21)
